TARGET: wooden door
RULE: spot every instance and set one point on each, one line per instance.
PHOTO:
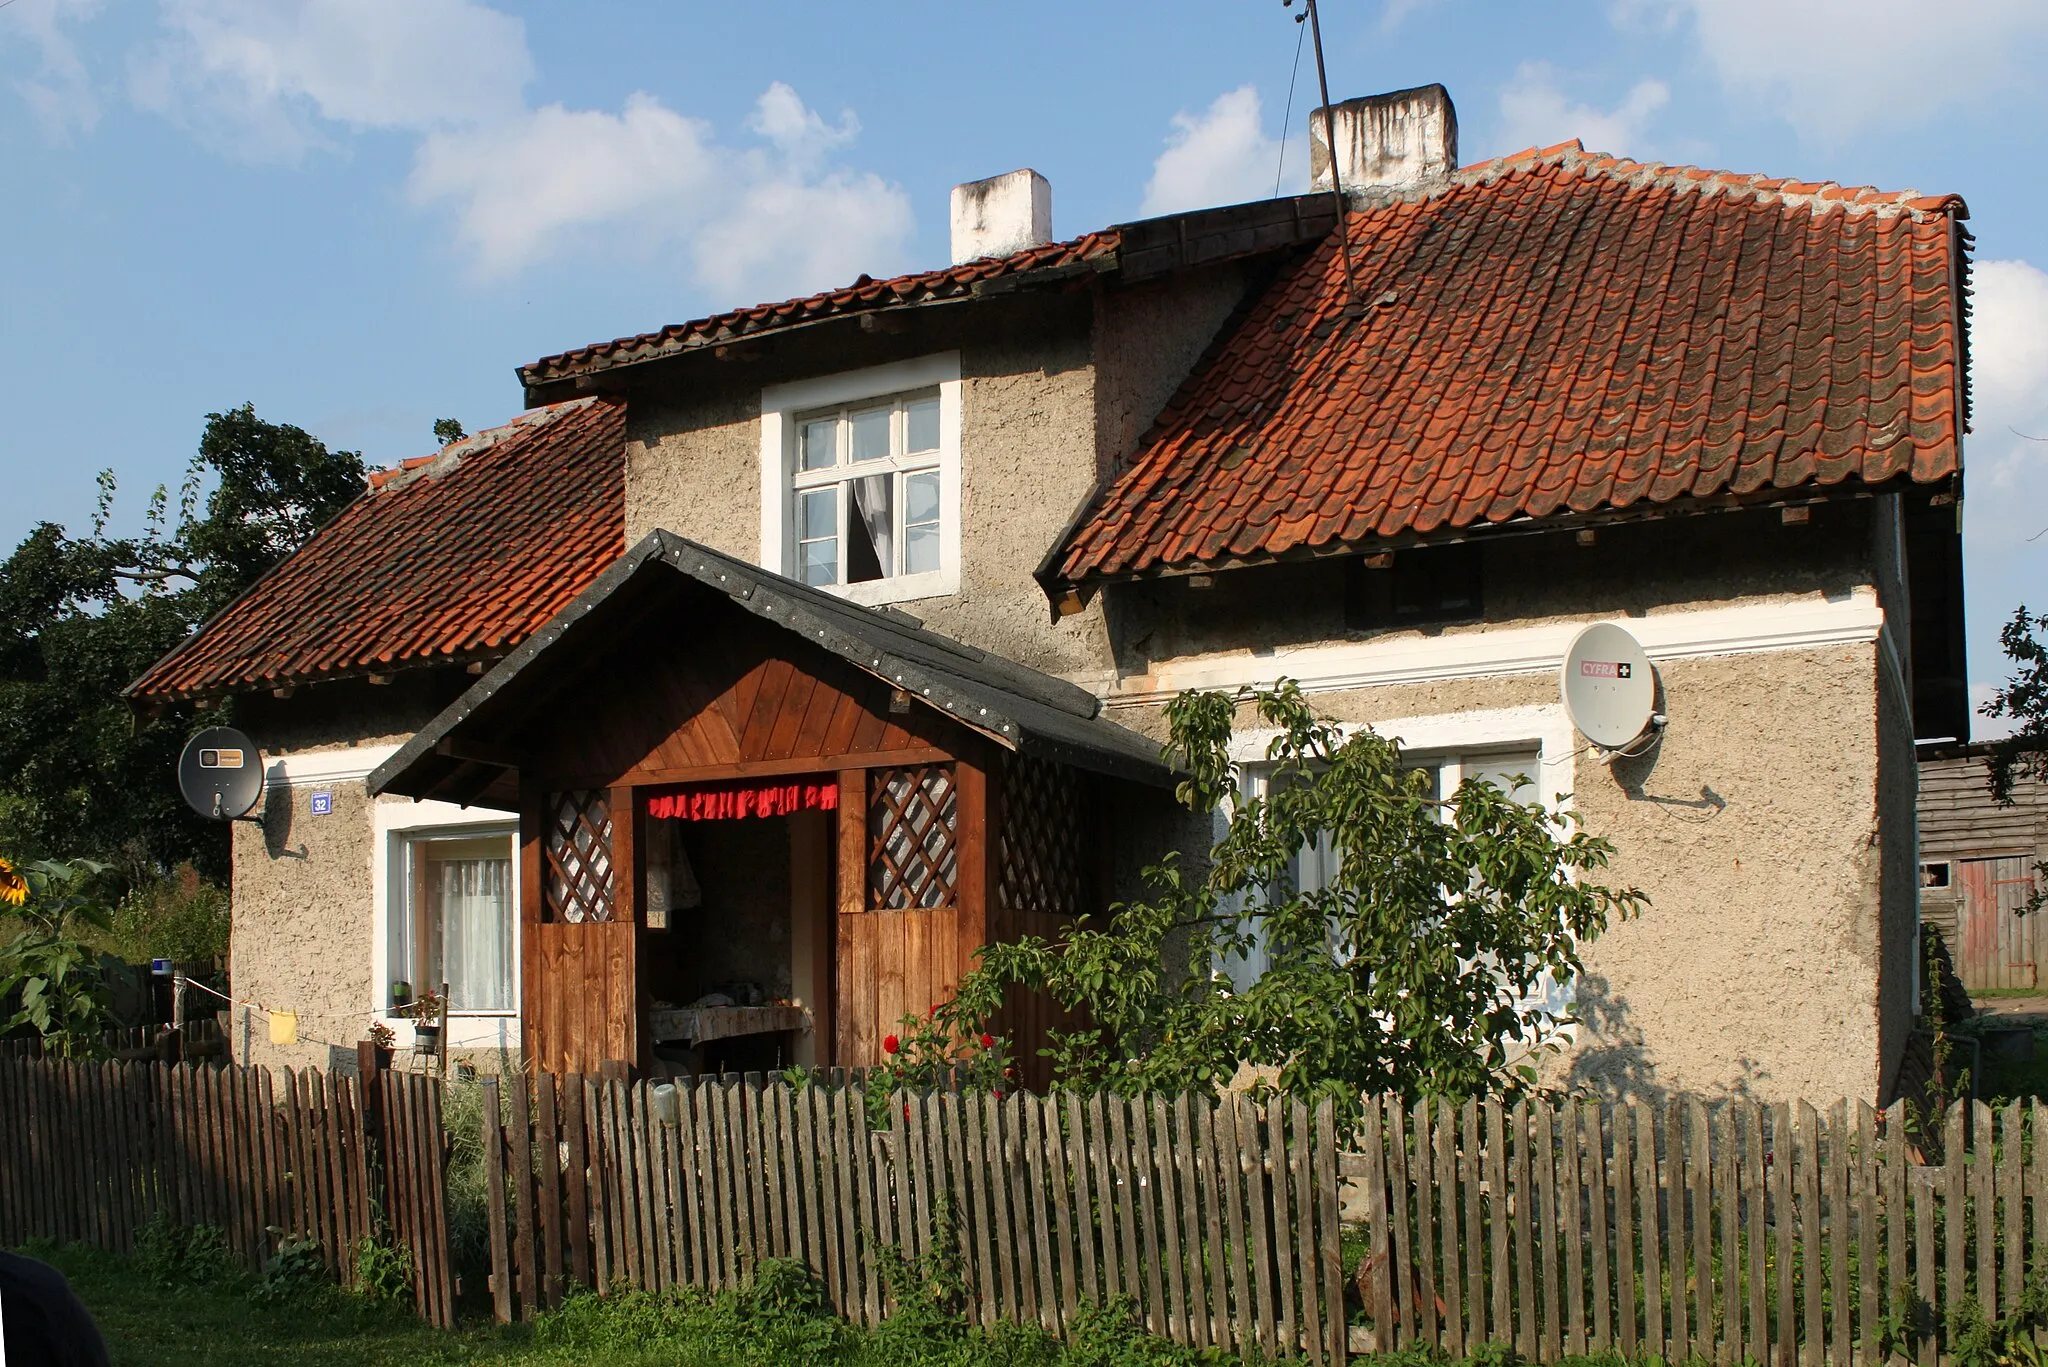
(1999, 945)
(581, 1000)
(911, 898)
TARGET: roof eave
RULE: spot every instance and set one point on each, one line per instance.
(1056, 585)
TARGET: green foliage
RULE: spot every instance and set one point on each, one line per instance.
(383, 1271)
(2023, 700)
(931, 1051)
(81, 616)
(180, 916)
(448, 430)
(468, 1179)
(174, 1255)
(1423, 968)
(294, 1274)
(46, 963)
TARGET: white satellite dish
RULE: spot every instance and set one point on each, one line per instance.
(1609, 687)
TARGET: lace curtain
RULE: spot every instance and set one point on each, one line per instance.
(473, 898)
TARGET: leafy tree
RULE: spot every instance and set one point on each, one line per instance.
(448, 430)
(1424, 968)
(2024, 699)
(47, 960)
(81, 616)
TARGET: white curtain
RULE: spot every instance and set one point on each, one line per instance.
(871, 507)
(476, 932)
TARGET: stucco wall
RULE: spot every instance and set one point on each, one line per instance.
(302, 900)
(1756, 829)
(303, 910)
(1773, 835)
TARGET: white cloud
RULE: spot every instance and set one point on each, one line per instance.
(1220, 156)
(261, 78)
(2005, 508)
(60, 93)
(762, 218)
(274, 81)
(2009, 335)
(1397, 11)
(1536, 113)
(1835, 67)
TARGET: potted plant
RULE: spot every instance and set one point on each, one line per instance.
(384, 1041)
(427, 1013)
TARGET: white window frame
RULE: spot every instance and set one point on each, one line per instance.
(781, 406)
(393, 825)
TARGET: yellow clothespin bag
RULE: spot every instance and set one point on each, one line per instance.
(284, 1027)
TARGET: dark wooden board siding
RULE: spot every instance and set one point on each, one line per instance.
(580, 995)
(741, 694)
(1959, 820)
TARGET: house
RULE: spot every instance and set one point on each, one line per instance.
(772, 662)
(1978, 863)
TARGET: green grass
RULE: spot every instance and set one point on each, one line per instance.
(179, 1304)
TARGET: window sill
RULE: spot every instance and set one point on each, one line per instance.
(902, 589)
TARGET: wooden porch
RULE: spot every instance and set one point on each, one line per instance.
(758, 826)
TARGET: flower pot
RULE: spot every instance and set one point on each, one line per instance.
(427, 1038)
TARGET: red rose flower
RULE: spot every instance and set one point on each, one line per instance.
(890, 1044)
(988, 1041)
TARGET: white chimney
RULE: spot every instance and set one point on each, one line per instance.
(1408, 137)
(1001, 215)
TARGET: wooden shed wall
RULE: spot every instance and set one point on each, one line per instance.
(1958, 818)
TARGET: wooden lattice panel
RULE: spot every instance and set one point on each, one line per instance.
(577, 852)
(1043, 835)
(913, 838)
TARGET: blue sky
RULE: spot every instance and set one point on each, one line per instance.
(362, 214)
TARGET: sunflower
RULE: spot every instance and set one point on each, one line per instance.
(13, 887)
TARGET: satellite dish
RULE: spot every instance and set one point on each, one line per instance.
(1609, 687)
(221, 774)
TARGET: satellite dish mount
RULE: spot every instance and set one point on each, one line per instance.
(220, 775)
(1610, 690)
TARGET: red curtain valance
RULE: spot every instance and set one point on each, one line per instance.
(744, 798)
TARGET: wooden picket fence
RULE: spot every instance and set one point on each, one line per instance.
(1724, 1232)
(91, 1152)
(1220, 1221)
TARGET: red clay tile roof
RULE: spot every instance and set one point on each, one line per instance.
(863, 296)
(1549, 333)
(451, 557)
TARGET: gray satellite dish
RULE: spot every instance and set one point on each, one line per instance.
(221, 774)
(1609, 688)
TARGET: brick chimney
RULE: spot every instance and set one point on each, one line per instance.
(1407, 137)
(1001, 215)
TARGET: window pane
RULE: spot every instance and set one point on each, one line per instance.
(460, 926)
(921, 420)
(870, 540)
(921, 550)
(921, 522)
(474, 904)
(921, 497)
(818, 514)
(1513, 774)
(871, 434)
(818, 536)
(821, 444)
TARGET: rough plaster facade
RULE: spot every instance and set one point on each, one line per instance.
(303, 915)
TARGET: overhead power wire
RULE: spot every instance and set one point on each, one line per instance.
(1287, 119)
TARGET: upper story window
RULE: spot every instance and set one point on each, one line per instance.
(867, 491)
(861, 480)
